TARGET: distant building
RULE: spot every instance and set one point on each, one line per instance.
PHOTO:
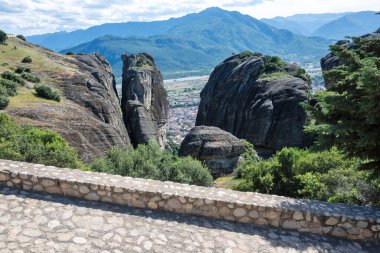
(10, 35)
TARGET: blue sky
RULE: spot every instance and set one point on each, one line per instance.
(30, 17)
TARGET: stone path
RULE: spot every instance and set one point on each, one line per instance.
(35, 222)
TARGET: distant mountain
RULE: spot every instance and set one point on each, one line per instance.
(350, 25)
(304, 24)
(197, 42)
(61, 40)
(330, 25)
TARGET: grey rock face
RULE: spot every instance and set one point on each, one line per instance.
(219, 149)
(266, 113)
(144, 100)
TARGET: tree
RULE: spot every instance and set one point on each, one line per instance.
(347, 115)
(21, 37)
(3, 36)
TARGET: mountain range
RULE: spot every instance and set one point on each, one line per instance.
(195, 43)
(330, 25)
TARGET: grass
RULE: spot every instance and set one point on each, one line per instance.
(26, 98)
(226, 182)
(275, 76)
(12, 54)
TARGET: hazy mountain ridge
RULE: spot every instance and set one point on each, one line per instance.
(354, 24)
(328, 25)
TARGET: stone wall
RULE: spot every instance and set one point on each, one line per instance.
(347, 221)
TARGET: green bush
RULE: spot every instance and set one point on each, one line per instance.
(273, 64)
(9, 86)
(4, 101)
(27, 59)
(45, 91)
(326, 175)
(70, 53)
(21, 37)
(30, 78)
(3, 37)
(20, 70)
(29, 144)
(13, 77)
(149, 161)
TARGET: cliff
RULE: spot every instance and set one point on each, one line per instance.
(144, 100)
(258, 99)
(88, 116)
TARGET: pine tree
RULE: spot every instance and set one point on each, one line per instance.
(347, 115)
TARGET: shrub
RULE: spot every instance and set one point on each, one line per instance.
(273, 64)
(4, 101)
(30, 78)
(20, 70)
(45, 91)
(326, 175)
(29, 144)
(149, 161)
(27, 59)
(10, 86)
(12, 77)
(70, 53)
(3, 37)
(21, 37)
(245, 55)
(3, 91)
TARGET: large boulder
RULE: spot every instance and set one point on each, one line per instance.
(89, 114)
(144, 100)
(265, 111)
(219, 149)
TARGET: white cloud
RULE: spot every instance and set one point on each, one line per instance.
(41, 16)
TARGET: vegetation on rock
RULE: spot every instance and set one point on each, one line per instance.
(3, 37)
(45, 91)
(30, 144)
(149, 161)
(21, 37)
(12, 77)
(4, 101)
(27, 59)
(30, 78)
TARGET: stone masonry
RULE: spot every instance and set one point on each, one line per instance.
(339, 220)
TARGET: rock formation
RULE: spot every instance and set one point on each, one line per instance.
(241, 98)
(219, 149)
(89, 114)
(144, 101)
(331, 60)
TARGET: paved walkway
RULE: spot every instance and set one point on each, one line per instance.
(34, 222)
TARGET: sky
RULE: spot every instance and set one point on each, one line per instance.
(29, 17)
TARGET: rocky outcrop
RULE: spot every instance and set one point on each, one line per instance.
(331, 60)
(219, 149)
(242, 99)
(144, 101)
(89, 116)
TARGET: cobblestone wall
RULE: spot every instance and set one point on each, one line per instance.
(347, 221)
